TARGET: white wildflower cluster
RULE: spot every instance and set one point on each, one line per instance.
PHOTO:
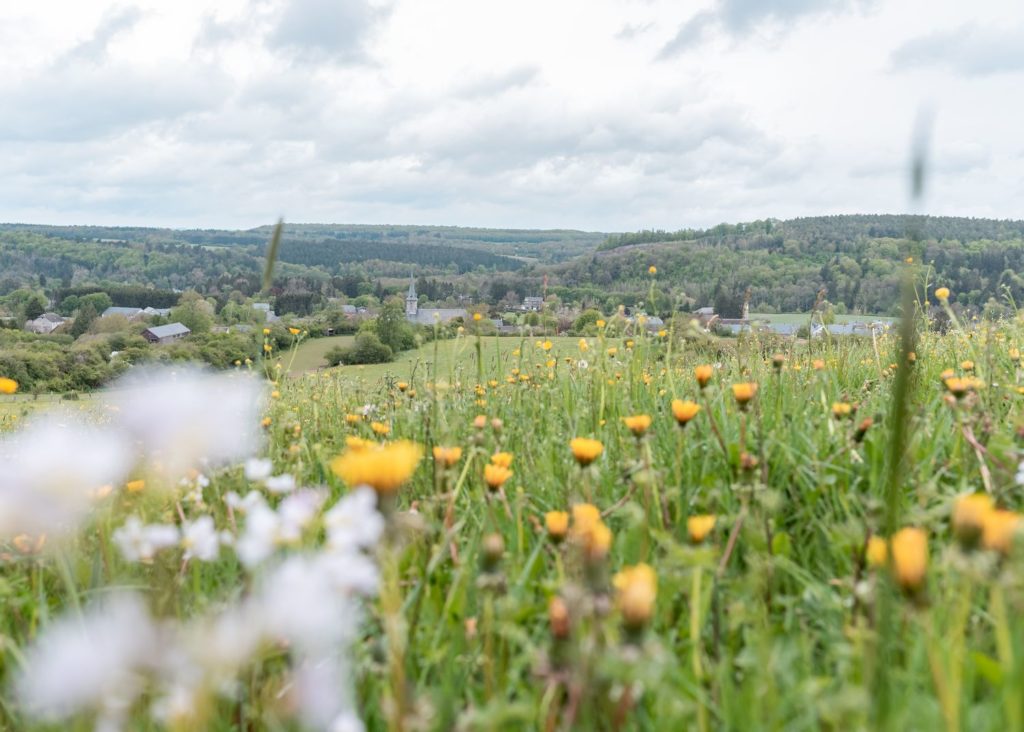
(116, 654)
(260, 470)
(171, 420)
(1020, 473)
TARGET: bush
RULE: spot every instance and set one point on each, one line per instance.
(367, 349)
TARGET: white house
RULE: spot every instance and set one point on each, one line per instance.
(45, 323)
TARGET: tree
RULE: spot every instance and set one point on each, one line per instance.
(193, 312)
(393, 329)
(86, 316)
(366, 349)
(34, 307)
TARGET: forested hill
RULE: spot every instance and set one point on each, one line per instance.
(785, 263)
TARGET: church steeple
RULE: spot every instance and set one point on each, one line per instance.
(411, 299)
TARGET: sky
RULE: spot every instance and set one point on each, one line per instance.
(602, 115)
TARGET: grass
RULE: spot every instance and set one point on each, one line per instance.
(309, 356)
(802, 318)
(453, 357)
(776, 620)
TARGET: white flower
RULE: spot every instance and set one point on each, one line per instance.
(582, 363)
(1020, 473)
(284, 483)
(260, 536)
(93, 661)
(199, 539)
(51, 469)
(182, 417)
(258, 469)
(354, 521)
(139, 543)
(244, 505)
(296, 512)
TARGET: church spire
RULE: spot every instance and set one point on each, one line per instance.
(411, 299)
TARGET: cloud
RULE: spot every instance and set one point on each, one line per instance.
(494, 84)
(115, 22)
(689, 35)
(971, 50)
(326, 29)
(741, 17)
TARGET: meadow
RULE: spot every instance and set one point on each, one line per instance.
(640, 532)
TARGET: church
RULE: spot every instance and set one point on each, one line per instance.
(428, 316)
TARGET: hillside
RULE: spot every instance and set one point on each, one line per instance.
(786, 263)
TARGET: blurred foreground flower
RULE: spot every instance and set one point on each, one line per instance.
(383, 468)
(183, 417)
(43, 493)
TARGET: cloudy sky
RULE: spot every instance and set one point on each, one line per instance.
(594, 114)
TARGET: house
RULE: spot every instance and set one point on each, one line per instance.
(45, 323)
(165, 333)
(428, 316)
(264, 307)
(348, 309)
(533, 303)
(129, 313)
(136, 313)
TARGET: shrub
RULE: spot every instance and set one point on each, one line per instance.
(366, 349)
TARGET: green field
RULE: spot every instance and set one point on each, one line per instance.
(452, 356)
(802, 318)
(310, 354)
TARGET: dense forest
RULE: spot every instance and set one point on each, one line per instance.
(785, 263)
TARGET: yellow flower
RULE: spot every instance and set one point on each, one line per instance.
(502, 459)
(652, 270)
(698, 527)
(584, 515)
(496, 475)
(275, 394)
(841, 409)
(446, 457)
(999, 529)
(744, 392)
(942, 294)
(638, 424)
(266, 331)
(590, 532)
(969, 514)
(600, 323)
(382, 467)
(909, 549)
(353, 418)
(703, 374)
(636, 590)
(379, 428)
(612, 351)
(546, 345)
(8, 386)
(402, 385)
(27, 545)
(684, 411)
(558, 617)
(585, 450)
(134, 486)
(817, 364)
(557, 525)
(480, 421)
(294, 331)
(967, 365)
(267, 347)
(957, 386)
(877, 552)
(356, 443)
(266, 421)
(477, 317)
(662, 333)
(1015, 354)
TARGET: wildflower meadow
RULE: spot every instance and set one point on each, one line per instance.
(636, 531)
